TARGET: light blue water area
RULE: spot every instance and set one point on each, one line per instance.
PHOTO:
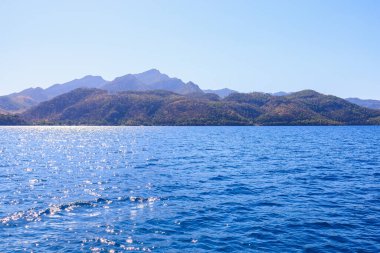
(190, 189)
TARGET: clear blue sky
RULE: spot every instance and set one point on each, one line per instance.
(332, 46)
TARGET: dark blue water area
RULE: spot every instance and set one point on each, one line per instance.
(190, 189)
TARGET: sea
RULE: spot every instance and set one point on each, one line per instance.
(190, 189)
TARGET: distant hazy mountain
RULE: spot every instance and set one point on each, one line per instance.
(369, 103)
(85, 82)
(7, 104)
(151, 80)
(222, 92)
(98, 107)
(25, 99)
(124, 83)
(35, 94)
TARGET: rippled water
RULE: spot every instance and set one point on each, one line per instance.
(190, 189)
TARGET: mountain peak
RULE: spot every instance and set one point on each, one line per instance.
(91, 77)
(125, 77)
(305, 93)
(151, 71)
(151, 76)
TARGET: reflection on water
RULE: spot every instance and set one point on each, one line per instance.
(189, 189)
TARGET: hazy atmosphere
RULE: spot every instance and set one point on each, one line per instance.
(270, 46)
(189, 126)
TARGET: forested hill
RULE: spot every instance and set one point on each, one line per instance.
(10, 120)
(99, 107)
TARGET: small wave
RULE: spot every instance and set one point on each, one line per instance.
(220, 178)
(100, 242)
(239, 190)
(36, 215)
(270, 204)
(324, 225)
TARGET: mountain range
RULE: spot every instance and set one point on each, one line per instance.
(146, 81)
(149, 80)
(154, 98)
(99, 107)
(369, 103)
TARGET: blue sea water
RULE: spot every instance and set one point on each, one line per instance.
(190, 189)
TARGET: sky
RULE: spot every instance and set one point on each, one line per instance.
(332, 46)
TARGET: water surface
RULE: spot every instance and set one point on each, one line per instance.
(190, 189)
